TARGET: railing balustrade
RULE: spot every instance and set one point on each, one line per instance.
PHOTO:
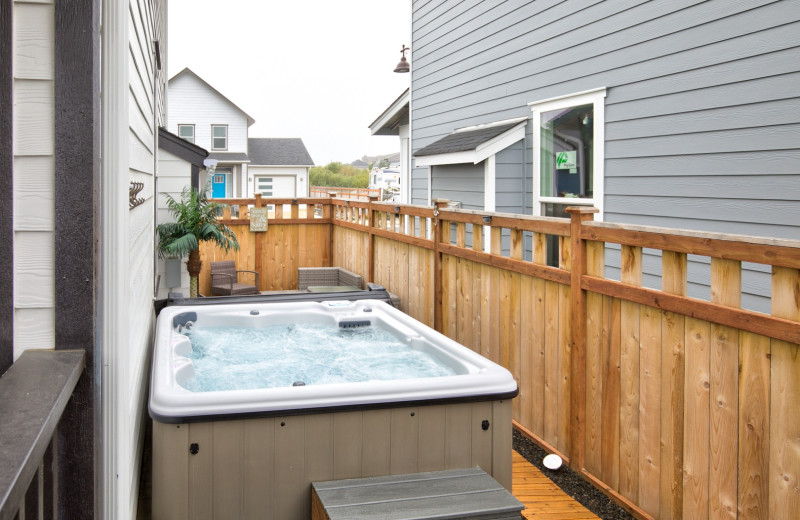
(35, 391)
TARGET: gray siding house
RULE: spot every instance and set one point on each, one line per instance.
(679, 114)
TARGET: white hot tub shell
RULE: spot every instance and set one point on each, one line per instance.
(254, 453)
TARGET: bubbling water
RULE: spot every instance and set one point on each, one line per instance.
(243, 358)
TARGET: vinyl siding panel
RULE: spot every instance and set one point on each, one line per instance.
(460, 182)
(419, 185)
(510, 180)
(33, 176)
(702, 109)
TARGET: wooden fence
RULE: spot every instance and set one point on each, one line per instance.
(676, 407)
(346, 193)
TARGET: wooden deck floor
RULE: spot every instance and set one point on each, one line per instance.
(542, 498)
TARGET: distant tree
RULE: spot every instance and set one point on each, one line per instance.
(384, 163)
(336, 174)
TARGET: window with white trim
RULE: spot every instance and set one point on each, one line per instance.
(568, 152)
(219, 137)
(264, 186)
(186, 132)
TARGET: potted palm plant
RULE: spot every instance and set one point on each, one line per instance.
(195, 222)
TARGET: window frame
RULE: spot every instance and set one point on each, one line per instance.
(595, 97)
(213, 137)
(194, 135)
(257, 188)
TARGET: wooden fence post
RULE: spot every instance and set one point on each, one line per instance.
(437, 264)
(577, 406)
(334, 213)
(259, 264)
(371, 243)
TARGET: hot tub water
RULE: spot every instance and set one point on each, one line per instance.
(280, 355)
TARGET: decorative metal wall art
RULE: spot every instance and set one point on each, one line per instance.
(133, 191)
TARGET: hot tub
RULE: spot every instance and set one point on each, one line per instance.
(252, 452)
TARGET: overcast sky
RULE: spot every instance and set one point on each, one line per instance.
(320, 70)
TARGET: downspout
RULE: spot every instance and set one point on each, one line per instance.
(114, 247)
(157, 60)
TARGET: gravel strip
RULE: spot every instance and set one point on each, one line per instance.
(571, 482)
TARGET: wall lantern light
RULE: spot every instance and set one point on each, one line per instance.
(403, 66)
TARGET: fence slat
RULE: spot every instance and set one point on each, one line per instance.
(650, 410)
(673, 266)
(563, 349)
(609, 447)
(526, 355)
(551, 367)
(784, 464)
(696, 419)
(754, 434)
(629, 379)
(595, 263)
(726, 283)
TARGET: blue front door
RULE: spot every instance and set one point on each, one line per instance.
(218, 186)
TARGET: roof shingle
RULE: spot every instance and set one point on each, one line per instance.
(278, 152)
(464, 141)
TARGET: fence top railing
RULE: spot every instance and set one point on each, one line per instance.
(743, 248)
(359, 193)
(35, 392)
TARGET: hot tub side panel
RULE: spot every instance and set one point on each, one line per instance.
(263, 468)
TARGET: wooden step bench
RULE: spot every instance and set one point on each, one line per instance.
(457, 493)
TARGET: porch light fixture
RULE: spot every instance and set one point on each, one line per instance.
(487, 219)
(403, 66)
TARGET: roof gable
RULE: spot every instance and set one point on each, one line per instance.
(187, 72)
(392, 118)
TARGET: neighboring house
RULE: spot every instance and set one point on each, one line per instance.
(79, 112)
(278, 167)
(395, 121)
(180, 164)
(361, 165)
(677, 114)
(200, 114)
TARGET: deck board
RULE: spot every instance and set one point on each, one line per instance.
(542, 498)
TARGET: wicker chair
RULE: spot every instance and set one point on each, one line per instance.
(327, 276)
(225, 280)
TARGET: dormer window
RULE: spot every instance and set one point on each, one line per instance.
(186, 132)
(219, 137)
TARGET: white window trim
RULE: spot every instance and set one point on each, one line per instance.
(227, 137)
(597, 98)
(194, 133)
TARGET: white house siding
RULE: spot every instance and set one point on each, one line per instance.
(702, 114)
(297, 187)
(147, 22)
(186, 94)
(34, 176)
(174, 174)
